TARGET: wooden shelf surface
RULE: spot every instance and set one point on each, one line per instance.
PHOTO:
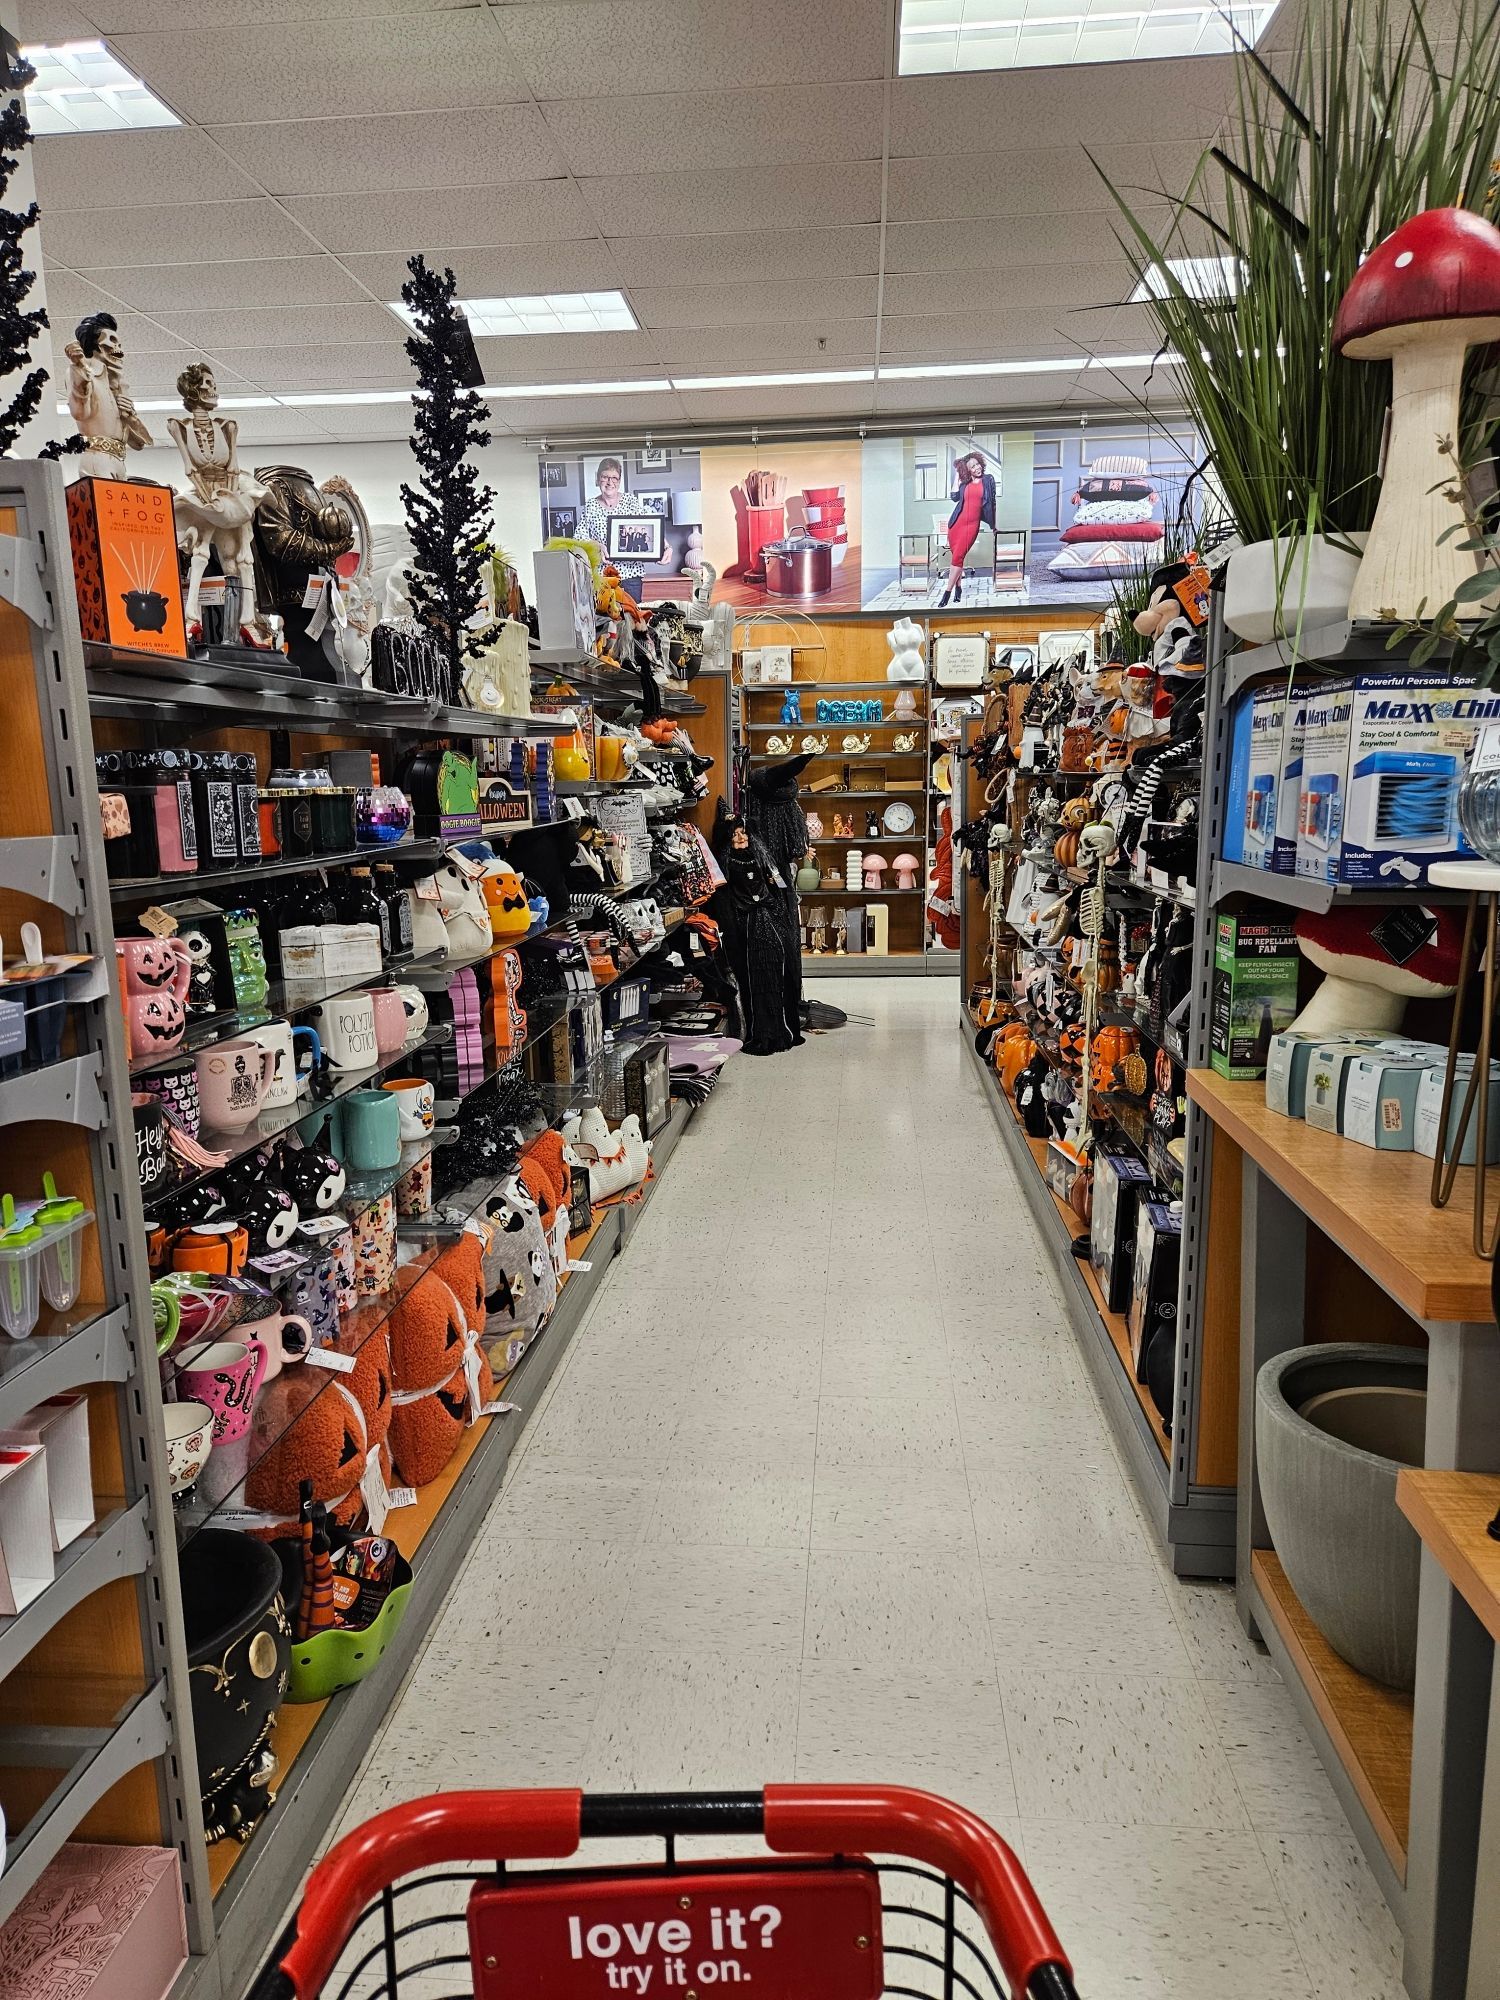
(1451, 1512)
(1369, 1725)
(1375, 1206)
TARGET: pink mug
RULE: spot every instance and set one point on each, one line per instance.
(282, 1337)
(155, 965)
(390, 1019)
(225, 1375)
(155, 1024)
(233, 1078)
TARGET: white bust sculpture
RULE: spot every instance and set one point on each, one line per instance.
(217, 511)
(99, 398)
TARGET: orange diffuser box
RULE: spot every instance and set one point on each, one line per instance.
(125, 564)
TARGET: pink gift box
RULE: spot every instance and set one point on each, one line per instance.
(103, 1923)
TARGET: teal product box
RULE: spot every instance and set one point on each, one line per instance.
(1289, 786)
(1327, 1080)
(1380, 1100)
(1430, 1107)
(1286, 1066)
(1325, 766)
(1254, 996)
(1236, 784)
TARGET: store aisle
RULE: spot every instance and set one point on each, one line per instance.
(824, 1491)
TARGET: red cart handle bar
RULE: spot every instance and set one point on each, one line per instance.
(548, 1825)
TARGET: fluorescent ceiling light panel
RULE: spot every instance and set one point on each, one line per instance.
(543, 312)
(496, 392)
(954, 36)
(1199, 277)
(789, 381)
(81, 88)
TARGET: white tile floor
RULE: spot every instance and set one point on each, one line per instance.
(823, 1490)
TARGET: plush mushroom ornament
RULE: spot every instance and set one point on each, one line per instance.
(1420, 300)
(1374, 961)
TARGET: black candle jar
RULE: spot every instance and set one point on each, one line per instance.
(333, 820)
(217, 808)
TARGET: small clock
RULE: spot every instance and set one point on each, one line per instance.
(899, 817)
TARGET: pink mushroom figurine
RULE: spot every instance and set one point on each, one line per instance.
(1420, 300)
(906, 866)
(874, 870)
(1372, 967)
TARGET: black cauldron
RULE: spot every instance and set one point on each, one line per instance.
(146, 610)
(239, 1655)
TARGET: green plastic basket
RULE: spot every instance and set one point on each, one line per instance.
(337, 1659)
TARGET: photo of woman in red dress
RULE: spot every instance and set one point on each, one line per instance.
(973, 509)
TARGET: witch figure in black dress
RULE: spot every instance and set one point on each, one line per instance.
(764, 955)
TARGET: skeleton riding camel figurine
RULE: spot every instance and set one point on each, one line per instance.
(217, 514)
(99, 398)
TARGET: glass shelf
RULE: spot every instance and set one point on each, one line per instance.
(139, 888)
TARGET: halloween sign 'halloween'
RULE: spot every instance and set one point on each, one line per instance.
(782, 1933)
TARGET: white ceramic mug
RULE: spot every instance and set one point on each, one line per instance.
(346, 1027)
(417, 1099)
(414, 1000)
(190, 1437)
(277, 1037)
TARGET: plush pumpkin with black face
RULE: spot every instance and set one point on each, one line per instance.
(505, 894)
(310, 1425)
(434, 1355)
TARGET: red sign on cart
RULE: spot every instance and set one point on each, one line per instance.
(781, 1933)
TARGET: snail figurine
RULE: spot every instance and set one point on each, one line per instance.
(905, 741)
(814, 746)
(855, 745)
(778, 746)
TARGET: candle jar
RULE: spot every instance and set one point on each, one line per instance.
(247, 817)
(333, 820)
(268, 816)
(297, 791)
(216, 807)
(159, 787)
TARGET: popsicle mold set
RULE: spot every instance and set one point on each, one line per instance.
(41, 1257)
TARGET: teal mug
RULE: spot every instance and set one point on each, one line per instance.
(370, 1131)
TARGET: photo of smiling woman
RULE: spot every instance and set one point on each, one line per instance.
(973, 508)
(610, 497)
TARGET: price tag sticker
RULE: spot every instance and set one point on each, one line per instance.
(402, 1496)
(499, 1409)
(578, 1264)
(1486, 748)
(330, 1358)
(157, 922)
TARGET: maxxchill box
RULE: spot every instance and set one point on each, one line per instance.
(1289, 786)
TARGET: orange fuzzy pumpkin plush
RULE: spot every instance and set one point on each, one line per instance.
(461, 1268)
(307, 1425)
(439, 1371)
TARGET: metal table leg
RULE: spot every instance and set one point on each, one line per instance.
(1273, 1254)
(1484, 1941)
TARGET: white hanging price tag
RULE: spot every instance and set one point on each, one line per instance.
(374, 1492)
(471, 1376)
(499, 1409)
(330, 1358)
(578, 1264)
(1486, 748)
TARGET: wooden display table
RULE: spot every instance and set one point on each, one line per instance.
(1450, 1511)
(1304, 1191)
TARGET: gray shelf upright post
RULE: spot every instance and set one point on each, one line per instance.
(44, 592)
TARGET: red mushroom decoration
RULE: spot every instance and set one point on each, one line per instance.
(1420, 300)
(1374, 961)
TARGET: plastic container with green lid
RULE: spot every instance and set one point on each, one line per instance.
(61, 1217)
(20, 1271)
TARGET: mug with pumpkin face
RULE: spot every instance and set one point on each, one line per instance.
(154, 1024)
(155, 965)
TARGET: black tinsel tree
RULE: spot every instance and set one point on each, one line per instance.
(18, 327)
(448, 514)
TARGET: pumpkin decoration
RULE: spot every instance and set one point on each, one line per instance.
(1016, 1051)
(1107, 968)
(441, 1376)
(1112, 1048)
(306, 1426)
(1076, 814)
(1072, 1044)
(505, 897)
(1065, 850)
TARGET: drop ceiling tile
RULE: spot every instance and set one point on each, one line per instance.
(577, 265)
(53, 21)
(156, 375)
(389, 421)
(704, 44)
(725, 128)
(1034, 285)
(397, 151)
(958, 336)
(318, 280)
(1001, 242)
(394, 62)
(285, 326)
(1045, 181)
(974, 398)
(103, 238)
(177, 163)
(529, 417)
(70, 298)
(849, 252)
(554, 357)
(528, 212)
(715, 350)
(771, 197)
(121, 17)
(280, 369)
(771, 406)
(748, 304)
(1100, 104)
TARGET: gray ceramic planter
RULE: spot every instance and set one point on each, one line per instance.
(1333, 1426)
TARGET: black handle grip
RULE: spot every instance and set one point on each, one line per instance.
(273, 1984)
(1048, 1982)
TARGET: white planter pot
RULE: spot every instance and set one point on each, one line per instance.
(1273, 587)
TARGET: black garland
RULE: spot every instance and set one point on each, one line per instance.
(449, 516)
(18, 327)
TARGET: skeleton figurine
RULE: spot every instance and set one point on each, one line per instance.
(216, 515)
(99, 398)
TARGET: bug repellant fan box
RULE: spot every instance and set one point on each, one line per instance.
(124, 539)
(1254, 993)
(1382, 761)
